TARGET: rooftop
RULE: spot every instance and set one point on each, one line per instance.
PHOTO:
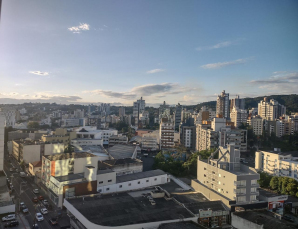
(136, 176)
(104, 171)
(124, 209)
(121, 151)
(180, 225)
(264, 218)
(70, 177)
(113, 162)
(36, 163)
(63, 156)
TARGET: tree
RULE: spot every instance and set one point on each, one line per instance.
(69, 148)
(265, 179)
(274, 183)
(33, 125)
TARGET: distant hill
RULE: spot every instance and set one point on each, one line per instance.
(290, 101)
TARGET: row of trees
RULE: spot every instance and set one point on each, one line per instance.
(173, 164)
(281, 185)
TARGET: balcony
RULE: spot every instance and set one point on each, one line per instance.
(239, 192)
(256, 185)
(254, 193)
(238, 184)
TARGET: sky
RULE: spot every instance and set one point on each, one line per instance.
(114, 52)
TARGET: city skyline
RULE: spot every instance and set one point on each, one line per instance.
(118, 51)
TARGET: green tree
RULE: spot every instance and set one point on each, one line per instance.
(292, 187)
(265, 179)
(69, 148)
(274, 183)
(33, 125)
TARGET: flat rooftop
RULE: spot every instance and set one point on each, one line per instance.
(180, 225)
(265, 218)
(104, 171)
(121, 151)
(70, 177)
(137, 176)
(267, 193)
(63, 156)
(124, 209)
(113, 162)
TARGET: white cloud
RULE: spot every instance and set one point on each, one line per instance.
(39, 73)
(216, 46)
(9, 94)
(79, 28)
(155, 71)
(223, 64)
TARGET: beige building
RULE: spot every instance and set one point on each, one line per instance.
(238, 116)
(224, 174)
(117, 139)
(270, 110)
(35, 167)
(30, 151)
(206, 138)
(166, 134)
(60, 135)
(257, 125)
(277, 163)
(66, 163)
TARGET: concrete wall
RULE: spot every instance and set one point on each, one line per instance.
(128, 168)
(2, 122)
(104, 179)
(239, 222)
(81, 163)
(208, 193)
(50, 149)
(134, 184)
(31, 153)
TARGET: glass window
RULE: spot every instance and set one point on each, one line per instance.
(107, 189)
(109, 180)
(100, 182)
(120, 186)
(139, 182)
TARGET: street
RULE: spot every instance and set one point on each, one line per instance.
(23, 192)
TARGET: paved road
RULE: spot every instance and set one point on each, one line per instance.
(23, 192)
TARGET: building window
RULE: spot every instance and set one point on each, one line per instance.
(129, 184)
(147, 180)
(120, 186)
(107, 189)
(100, 182)
(219, 175)
(139, 182)
(155, 179)
(109, 180)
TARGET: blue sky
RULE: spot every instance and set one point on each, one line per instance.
(74, 51)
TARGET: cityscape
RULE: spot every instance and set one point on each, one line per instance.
(148, 114)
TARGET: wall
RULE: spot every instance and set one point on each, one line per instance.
(8, 209)
(31, 153)
(209, 194)
(132, 185)
(61, 167)
(80, 163)
(104, 179)
(53, 148)
(239, 222)
(128, 168)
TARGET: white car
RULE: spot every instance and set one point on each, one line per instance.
(44, 211)
(36, 191)
(39, 217)
(9, 217)
(45, 202)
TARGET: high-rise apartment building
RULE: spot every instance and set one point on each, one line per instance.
(178, 111)
(224, 174)
(10, 116)
(223, 105)
(166, 134)
(138, 108)
(91, 109)
(270, 110)
(188, 134)
(238, 116)
(257, 125)
(164, 111)
(238, 103)
(2, 127)
(121, 111)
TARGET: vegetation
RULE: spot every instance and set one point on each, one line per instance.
(281, 185)
(33, 125)
(69, 148)
(176, 167)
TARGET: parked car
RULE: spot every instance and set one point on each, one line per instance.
(35, 226)
(12, 223)
(44, 211)
(39, 217)
(9, 217)
(288, 218)
(53, 221)
(45, 202)
(35, 199)
(36, 191)
(40, 198)
(22, 205)
(25, 210)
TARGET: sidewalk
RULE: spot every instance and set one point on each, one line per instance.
(23, 222)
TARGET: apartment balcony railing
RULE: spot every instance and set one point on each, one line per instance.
(255, 193)
(256, 185)
(239, 185)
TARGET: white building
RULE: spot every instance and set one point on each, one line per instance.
(277, 163)
(238, 116)
(2, 128)
(225, 175)
(91, 132)
(270, 110)
(257, 125)
(10, 116)
(166, 134)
